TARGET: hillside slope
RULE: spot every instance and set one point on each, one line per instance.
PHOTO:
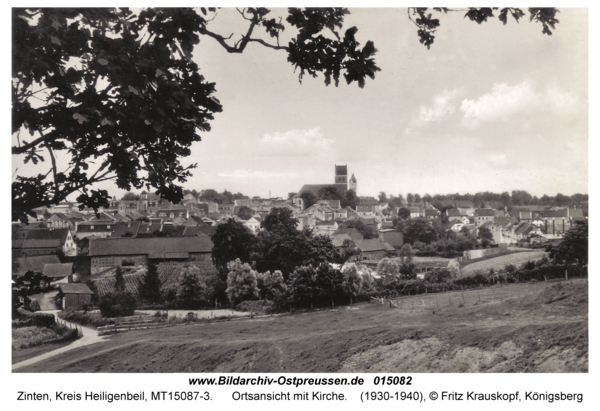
(528, 328)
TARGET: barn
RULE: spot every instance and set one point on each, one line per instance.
(74, 295)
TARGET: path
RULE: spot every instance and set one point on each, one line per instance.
(90, 336)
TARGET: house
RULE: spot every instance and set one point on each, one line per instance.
(74, 295)
(483, 215)
(340, 214)
(127, 207)
(525, 216)
(172, 213)
(415, 212)
(453, 213)
(353, 233)
(57, 220)
(365, 210)
(321, 212)
(431, 214)
(326, 227)
(110, 252)
(58, 271)
(252, 224)
(228, 208)
(333, 204)
(372, 249)
(94, 227)
(243, 202)
(125, 229)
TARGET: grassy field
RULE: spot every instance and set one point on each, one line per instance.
(535, 327)
(497, 263)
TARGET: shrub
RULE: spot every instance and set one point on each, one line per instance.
(241, 282)
(34, 306)
(257, 306)
(84, 318)
(39, 319)
(118, 304)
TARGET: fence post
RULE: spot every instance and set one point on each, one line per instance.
(566, 274)
(463, 296)
(478, 296)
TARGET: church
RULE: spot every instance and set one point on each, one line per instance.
(340, 181)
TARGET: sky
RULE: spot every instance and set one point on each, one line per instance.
(487, 108)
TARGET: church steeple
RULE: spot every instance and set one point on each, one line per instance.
(353, 185)
(341, 174)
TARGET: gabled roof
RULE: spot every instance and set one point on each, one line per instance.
(145, 246)
(74, 288)
(371, 245)
(430, 212)
(484, 212)
(36, 244)
(414, 210)
(314, 188)
(35, 264)
(502, 221)
(58, 270)
(453, 212)
(364, 208)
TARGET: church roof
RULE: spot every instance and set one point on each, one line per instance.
(314, 188)
(353, 179)
(341, 170)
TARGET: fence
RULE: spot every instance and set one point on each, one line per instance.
(137, 322)
(469, 297)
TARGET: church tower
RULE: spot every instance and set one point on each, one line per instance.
(353, 184)
(341, 174)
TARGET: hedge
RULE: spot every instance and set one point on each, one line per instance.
(39, 319)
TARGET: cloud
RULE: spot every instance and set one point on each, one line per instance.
(295, 143)
(444, 106)
(523, 102)
(506, 101)
(502, 101)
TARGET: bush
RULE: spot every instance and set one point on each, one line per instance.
(118, 304)
(34, 306)
(84, 318)
(39, 319)
(257, 306)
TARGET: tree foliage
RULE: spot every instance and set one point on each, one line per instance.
(119, 280)
(150, 286)
(190, 287)
(427, 25)
(573, 248)
(241, 282)
(118, 90)
(231, 241)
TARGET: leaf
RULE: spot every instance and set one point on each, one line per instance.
(55, 40)
(134, 90)
(104, 62)
(159, 73)
(80, 118)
